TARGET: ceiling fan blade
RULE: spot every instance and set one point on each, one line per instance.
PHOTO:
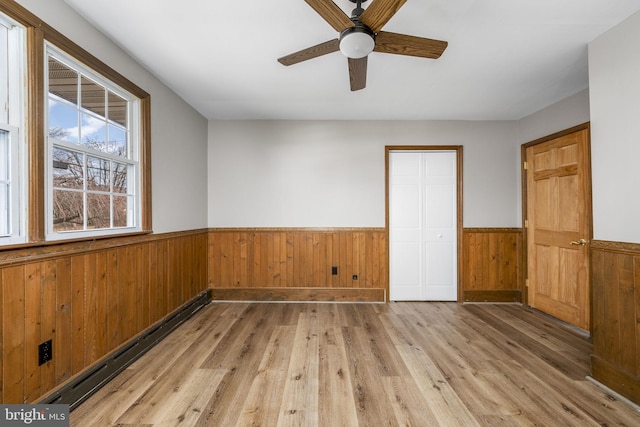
(331, 13)
(401, 44)
(379, 12)
(358, 73)
(311, 52)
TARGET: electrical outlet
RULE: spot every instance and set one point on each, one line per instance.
(334, 270)
(355, 277)
(45, 352)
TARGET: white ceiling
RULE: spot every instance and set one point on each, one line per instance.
(506, 58)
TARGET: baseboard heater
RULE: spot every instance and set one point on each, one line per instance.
(82, 387)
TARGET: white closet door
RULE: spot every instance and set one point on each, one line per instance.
(405, 228)
(422, 226)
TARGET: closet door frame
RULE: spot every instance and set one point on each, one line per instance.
(459, 212)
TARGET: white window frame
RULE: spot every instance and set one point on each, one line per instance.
(13, 124)
(134, 218)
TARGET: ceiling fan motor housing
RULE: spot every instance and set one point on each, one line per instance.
(357, 41)
(360, 34)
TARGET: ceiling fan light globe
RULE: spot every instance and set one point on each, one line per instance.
(356, 42)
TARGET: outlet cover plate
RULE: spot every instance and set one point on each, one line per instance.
(45, 352)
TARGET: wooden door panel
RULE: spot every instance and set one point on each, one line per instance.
(566, 312)
(542, 161)
(544, 210)
(558, 194)
(568, 155)
(569, 264)
(568, 204)
(543, 271)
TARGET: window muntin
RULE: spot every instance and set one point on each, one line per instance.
(93, 174)
(12, 168)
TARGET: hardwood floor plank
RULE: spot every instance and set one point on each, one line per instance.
(239, 352)
(262, 405)
(113, 400)
(378, 344)
(546, 372)
(435, 389)
(408, 407)
(463, 368)
(537, 347)
(549, 327)
(169, 384)
(414, 364)
(548, 400)
(300, 399)
(336, 405)
(365, 375)
(184, 405)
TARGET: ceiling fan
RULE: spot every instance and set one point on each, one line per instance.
(360, 35)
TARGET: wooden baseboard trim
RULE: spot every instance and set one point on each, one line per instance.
(626, 384)
(81, 387)
(299, 294)
(493, 296)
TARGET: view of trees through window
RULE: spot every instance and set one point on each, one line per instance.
(92, 169)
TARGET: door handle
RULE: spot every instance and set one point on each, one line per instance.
(580, 242)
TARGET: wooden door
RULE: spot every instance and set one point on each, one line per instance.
(559, 227)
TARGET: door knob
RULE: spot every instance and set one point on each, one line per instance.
(580, 242)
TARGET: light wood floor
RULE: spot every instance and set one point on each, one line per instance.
(413, 364)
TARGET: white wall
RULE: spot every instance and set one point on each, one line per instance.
(569, 112)
(614, 78)
(332, 173)
(178, 132)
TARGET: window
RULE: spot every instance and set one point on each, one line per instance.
(12, 168)
(74, 139)
(93, 152)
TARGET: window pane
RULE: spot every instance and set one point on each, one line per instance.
(67, 169)
(93, 97)
(118, 141)
(63, 122)
(98, 210)
(4, 155)
(5, 229)
(117, 109)
(68, 208)
(94, 132)
(120, 177)
(121, 210)
(63, 81)
(98, 174)
(4, 74)
(5, 198)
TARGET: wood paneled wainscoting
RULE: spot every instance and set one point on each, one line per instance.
(616, 316)
(491, 259)
(92, 299)
(290, 264)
